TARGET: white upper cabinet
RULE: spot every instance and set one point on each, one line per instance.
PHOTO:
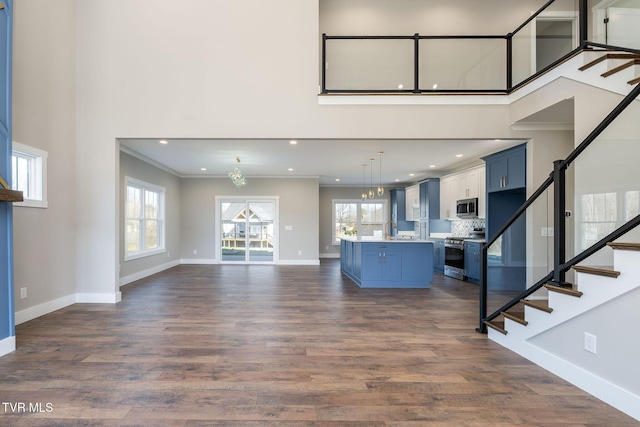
(467, 184)
(413, 202)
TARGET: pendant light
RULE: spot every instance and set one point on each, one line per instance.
(380, 188)
(364, 183)
(371, 192)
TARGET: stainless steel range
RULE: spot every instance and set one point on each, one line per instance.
(454, 257)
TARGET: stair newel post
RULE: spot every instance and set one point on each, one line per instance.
(482, 328)
(324, 63)
(583, 23)
(416, 63)
(559, 224)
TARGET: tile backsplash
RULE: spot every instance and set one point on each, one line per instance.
(464, 227)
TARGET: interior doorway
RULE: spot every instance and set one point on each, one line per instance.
(555, 34)
(246, 230)
(617, 23)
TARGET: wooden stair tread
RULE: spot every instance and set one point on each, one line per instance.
(540, 304)
(516, 316)
(604, 57)
(607, 272)
(497, 325)
(634, 81)
(624, 246)
(566, 291)
(620, 67)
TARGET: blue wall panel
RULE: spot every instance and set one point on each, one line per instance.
(7, 326)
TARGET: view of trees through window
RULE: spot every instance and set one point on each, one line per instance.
(358, 218)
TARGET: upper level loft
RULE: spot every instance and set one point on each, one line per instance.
(470, 48)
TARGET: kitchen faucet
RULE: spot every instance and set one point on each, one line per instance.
(387, 235)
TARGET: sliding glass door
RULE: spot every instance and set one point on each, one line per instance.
(247, 230)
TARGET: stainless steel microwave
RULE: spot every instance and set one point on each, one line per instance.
(467, 208)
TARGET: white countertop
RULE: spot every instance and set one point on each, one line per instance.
(367, 239)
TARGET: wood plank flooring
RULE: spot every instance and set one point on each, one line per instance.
(237, 345)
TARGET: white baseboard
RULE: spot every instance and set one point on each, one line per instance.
(7, 345)
(148, 272)
(604, 390)
(85, 298)
(45, 308)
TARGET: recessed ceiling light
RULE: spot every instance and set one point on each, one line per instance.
(435, 86)
(290, 169)
(203, 169)
(497, 140)
(458, 155)
(164, 142)
(293, 142)
(400, 86)
(432, 166)
(412, 174)
(337, 179)
(397, 180)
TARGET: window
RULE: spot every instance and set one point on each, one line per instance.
(353, 218)
(144, 219)
(29, 175)
(599, 214)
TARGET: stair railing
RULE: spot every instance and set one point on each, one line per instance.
(556, 275)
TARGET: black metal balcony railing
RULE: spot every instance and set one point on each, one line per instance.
(416, 64)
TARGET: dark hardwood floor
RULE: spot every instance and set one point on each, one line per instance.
(236, 345)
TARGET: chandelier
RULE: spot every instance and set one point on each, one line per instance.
(236, 176)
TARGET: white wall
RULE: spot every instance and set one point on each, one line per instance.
(298, 201)
(244, 76)
(44, 117)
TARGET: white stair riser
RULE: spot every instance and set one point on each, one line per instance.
(626, 260)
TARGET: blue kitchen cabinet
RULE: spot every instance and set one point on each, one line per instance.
(472, 253)
(507, 170)
(381, 262)
(387, 264)
(430, 199)
(397, 199)
(438, 255)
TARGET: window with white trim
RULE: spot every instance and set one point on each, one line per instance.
(29, 175)
(355, 218)
(144, 219)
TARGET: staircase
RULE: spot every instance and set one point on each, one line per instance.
(595, 286)
(610, 63)
(566, 318)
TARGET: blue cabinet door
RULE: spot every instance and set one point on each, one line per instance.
(506, 170)
(381, 262)
(438, 255)
(472, 260)
(430, 199)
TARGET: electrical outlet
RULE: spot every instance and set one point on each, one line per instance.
(590, 343)
(168, 254)
(23, 293)
(195, 252)
(299, 252)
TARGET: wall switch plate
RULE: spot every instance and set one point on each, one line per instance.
(590, 343)
(23, 293)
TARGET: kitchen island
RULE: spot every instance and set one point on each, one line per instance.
(383, 263)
